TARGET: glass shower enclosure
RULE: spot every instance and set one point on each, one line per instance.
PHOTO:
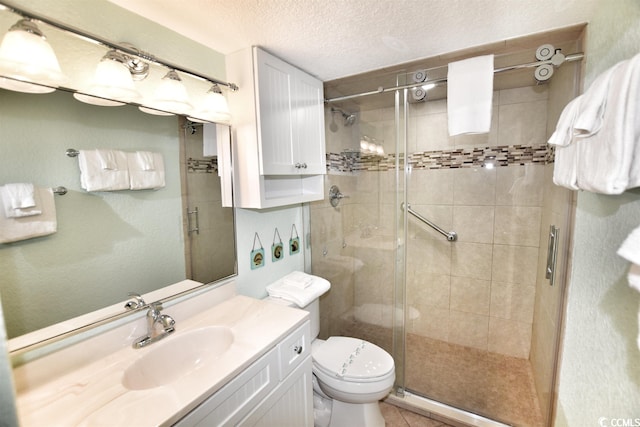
(473, 323)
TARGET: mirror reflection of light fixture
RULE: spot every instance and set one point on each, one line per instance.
(113, 80)
(214, 108)
(26, 56)
(170, 97)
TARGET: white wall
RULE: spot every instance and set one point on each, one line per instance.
(600, 367)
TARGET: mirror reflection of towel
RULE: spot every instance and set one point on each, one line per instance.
(19, 200)
(103, 172)
(146, 170)
(28, 227)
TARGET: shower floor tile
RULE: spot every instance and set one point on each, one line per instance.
(489, 384)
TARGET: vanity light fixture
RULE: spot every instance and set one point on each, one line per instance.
(171, 95)
(214, 108)
(26, 56)
(113, 80)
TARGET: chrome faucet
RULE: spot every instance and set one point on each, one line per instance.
(154, 318)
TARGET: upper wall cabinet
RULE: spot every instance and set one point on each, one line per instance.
(278, 131)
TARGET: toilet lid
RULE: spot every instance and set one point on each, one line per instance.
(352, 358)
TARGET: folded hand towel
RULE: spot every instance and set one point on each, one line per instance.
(19, 200)
(298, 279)
(606, 159)
(141, 178)
(107, 159)
(469, 95)
(27, 227)
(300, 296)
(144, 160)
(95, 177)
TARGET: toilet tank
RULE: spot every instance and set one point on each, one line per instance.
(314, 313)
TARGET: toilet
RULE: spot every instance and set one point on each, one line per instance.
(350, 375)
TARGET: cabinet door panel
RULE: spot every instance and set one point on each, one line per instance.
(308, 110)
(275, 120)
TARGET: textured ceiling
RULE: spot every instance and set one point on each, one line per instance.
(337, 38)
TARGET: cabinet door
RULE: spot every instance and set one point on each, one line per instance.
(275, 121)
(308, 134)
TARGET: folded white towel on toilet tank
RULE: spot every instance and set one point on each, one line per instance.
(294, 288)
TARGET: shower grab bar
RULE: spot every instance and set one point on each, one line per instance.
(451, 236)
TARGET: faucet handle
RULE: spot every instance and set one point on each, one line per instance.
(167, 322)
(138, 301)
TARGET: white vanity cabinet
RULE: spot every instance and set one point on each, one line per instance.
(278, 131)
(276, 390)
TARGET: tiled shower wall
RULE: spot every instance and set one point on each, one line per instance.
(477, 292)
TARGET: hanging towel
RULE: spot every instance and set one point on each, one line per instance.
(565, 164)
(301, 296)
(590, 113)
(565, 167)
(606, 159)
(564, 133)
(103, 170)
(19, 200)
(141, 177)
(27, 227)
(469, 95)
(630, 250)
(209, 140)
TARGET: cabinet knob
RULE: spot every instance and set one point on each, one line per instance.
(297, 349)
(298, 165)
(304, 166)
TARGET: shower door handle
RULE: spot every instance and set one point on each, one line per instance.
(552, 254)
(191, 229)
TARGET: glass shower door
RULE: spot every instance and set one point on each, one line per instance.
(475, 308)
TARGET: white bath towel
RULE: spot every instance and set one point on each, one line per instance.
(140, 176)
(469, 95)
(301, 296)
(564, 132)
(590, 114)
(19, 199)
(565, 166)
(209, 140)
(103, 170)
(28, 227)
(630, 250)
(606, 159)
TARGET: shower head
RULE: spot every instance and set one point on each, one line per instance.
(349, 118)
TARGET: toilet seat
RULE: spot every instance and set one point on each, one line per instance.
(352, 360)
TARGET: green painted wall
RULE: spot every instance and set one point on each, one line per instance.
(600, 368)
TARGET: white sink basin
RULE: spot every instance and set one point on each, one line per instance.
(180, 355)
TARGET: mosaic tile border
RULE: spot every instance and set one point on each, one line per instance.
(502, 155)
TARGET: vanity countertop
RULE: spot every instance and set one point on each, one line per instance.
(94, 394)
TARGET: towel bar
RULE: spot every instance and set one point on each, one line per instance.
(60, 191)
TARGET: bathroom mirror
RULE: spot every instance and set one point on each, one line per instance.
(107, 243)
